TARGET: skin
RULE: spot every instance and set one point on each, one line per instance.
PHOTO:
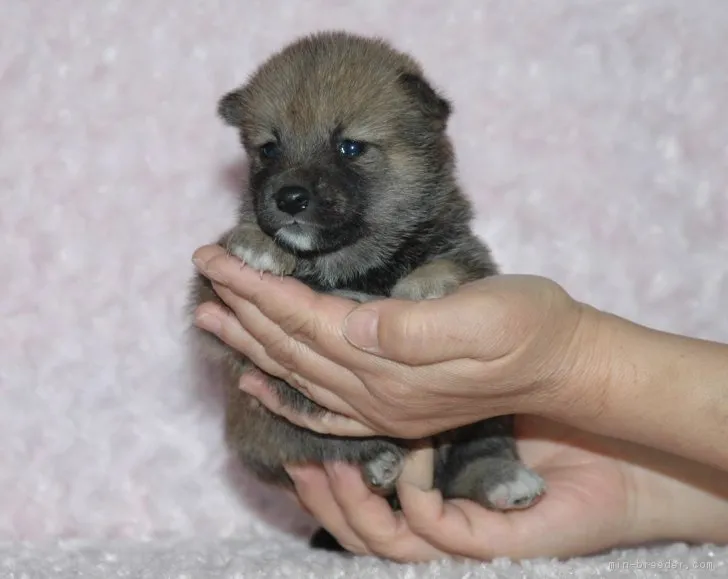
(601, 494)
(585, 378)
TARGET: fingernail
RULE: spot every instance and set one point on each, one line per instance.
(361, 329)
(252, 384)
(198, 263)
(213, 274)
(209, 323)
(297, 472)
(292, 471)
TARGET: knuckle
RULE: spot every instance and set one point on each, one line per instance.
(283, 350)
(388, 547)
(393, 398)
(354, 547)
(403, 334)
(301, 325)
(295, 381)
(420, 525)
(384, 546)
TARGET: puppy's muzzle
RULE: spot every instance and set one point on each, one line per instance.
(292, 199)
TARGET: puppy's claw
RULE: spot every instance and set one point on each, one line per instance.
(381, 473)
(524, 490)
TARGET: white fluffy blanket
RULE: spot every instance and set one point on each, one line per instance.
(593, 137)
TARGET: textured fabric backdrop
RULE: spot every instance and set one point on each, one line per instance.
(593, 137)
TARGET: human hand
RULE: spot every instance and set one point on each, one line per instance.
(406, 369)
(603, 494)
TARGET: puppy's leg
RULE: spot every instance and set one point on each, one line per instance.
(360, 297)
(381, 472)
(430, 281)
(258, 250)
(480, 462)
(252, 430)
(248, 242)
(381, 459)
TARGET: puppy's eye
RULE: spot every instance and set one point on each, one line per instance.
(270, 151)
(351, 149)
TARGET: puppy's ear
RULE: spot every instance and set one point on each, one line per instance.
(231, 107)
(434, 107)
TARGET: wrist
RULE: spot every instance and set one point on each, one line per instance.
(601, 372)
(662, 390)
(575, 383)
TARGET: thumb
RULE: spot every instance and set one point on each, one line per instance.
(414, 333)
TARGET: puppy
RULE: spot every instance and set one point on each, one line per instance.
(352, 190)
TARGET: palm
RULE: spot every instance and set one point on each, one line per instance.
(586, 506)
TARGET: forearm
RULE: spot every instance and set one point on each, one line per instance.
(654, 388)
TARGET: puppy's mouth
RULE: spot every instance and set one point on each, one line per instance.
(298, 235)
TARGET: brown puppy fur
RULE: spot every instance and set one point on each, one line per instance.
(352, 190)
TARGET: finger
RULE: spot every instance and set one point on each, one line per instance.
(224, 325)
(417, 333)
(341, 420)
(203, 258)
(470, 530)
(441, 524)
(229, 330)
(325, 423)
(419, 467)
(296, 356)
(384, 532)
(268, 347)
(314, 492)
(311, 318)
(286, 301)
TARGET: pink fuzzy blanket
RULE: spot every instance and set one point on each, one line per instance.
(593, 137)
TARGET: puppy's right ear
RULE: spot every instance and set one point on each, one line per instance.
(231, 107)
(434, 107)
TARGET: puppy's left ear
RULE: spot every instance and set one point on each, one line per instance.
(434, 107)
(231, 107)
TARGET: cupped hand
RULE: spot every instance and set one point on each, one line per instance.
(398, 368)
(602, 494)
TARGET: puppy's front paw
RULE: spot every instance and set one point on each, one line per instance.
(422, 288)
(360, 297)
(255, 249)
(430, 281)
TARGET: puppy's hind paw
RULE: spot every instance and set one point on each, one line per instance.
(521, 492)
(499, 484)
(381, 473)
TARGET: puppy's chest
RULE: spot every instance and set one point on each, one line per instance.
(377, 281)
(372, 274)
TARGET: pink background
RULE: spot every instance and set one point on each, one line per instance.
(593, 138)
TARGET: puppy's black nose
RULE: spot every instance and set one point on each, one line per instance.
(292, 199)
